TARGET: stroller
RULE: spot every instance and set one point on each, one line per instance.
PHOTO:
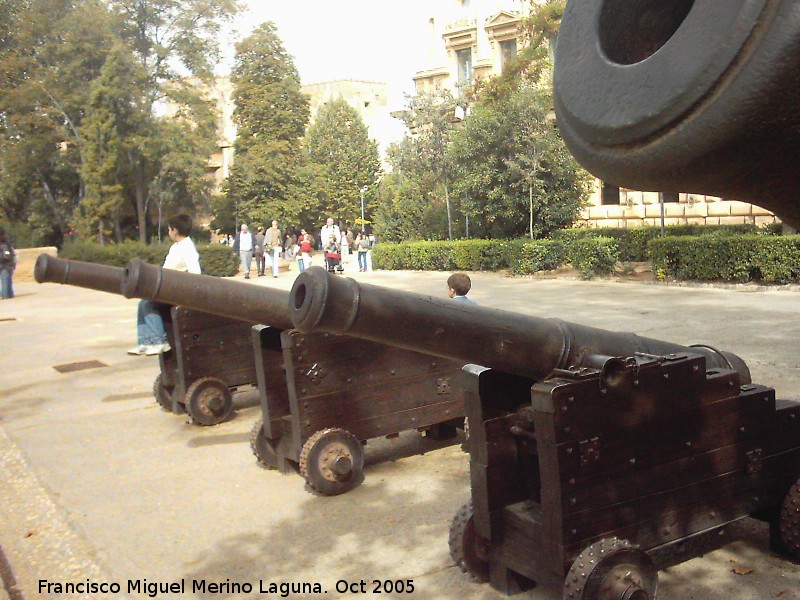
(333, 256)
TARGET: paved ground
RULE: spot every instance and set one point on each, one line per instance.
(98, 483)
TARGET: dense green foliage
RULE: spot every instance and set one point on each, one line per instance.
(737, 258)
(414, 198)
(86, 145)
(344, 160)
(215, 259)
(268, 177)
(632, 241)
(513, 173)
(589, 256)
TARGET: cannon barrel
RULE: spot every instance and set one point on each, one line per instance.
(684, 96)
(232, 299)
(103, 278)
(511, 342)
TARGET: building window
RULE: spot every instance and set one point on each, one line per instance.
(464, 59)
(671, 197)
(508, 50)
(609, 194)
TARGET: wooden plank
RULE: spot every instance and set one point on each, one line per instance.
(581, 413)
(389, 423)
(658, 518)
(357, 403)
(270, 377)
(740, 418)
(520, 546)
(603, 489)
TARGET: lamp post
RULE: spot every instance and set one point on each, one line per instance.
(363, 191)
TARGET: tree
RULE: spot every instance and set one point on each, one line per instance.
(415, 200)
(51, 51)
(170, 39)
(515, 175)
(343, 159)
(267, 177)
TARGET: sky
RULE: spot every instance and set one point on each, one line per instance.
(333, 40)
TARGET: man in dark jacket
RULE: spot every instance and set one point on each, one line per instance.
(244, 246)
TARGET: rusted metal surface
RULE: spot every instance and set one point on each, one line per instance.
(103, 278)
(692, 95)
(514, 343)
(231, 299)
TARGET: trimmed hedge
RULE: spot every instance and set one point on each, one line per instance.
(590, 256)
(741, 258)
(632, 241)
(215, 259)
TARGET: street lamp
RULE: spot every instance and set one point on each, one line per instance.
(363, 191)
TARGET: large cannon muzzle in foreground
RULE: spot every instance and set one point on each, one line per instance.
(693, 96)
(507, 341)
(103, 278)
(231, 299)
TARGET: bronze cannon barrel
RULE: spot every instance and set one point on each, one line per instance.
(232, 299)
(507, 341)
(692, 96)
(103, 278)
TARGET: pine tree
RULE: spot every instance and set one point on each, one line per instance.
(344, 160)
(270, 113)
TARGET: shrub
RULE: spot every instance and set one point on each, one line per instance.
(538, 255)
(215, 259)
(593, 256)
(737, 258)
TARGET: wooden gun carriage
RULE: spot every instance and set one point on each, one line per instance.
(595, 457)
(322, 396)
(210, 358)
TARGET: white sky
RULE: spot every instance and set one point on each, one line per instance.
(368, 40)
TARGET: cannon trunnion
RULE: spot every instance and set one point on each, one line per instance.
(593, 462)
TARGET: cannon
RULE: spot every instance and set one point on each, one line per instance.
(322, 396)
(211, 356)
(692, 96)
(596, 458)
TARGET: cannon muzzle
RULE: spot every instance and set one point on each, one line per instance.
(511, 342)
(684, 96)
(232, 299)
(103, 278)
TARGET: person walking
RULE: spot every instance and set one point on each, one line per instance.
(182, 256)
(8, 262)
(272, 244)
(306, 243)
(243, 246)
(259, 252)
(362, 244)
(328, 230)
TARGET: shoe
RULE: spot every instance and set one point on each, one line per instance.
(247, 275)
(155, 349)
(275, 276)
(138, 351)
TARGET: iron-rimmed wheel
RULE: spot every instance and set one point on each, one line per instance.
(332, 461)
(162, 393)
(612, 569)
(262, 447)
(467, 549)
(209, 401)
(790, 521)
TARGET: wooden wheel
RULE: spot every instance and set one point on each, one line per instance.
(209, 401)
(332, 461)
(612, 569)
(789, 522)
(467, 549)
(162, 394)
(262, 447)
